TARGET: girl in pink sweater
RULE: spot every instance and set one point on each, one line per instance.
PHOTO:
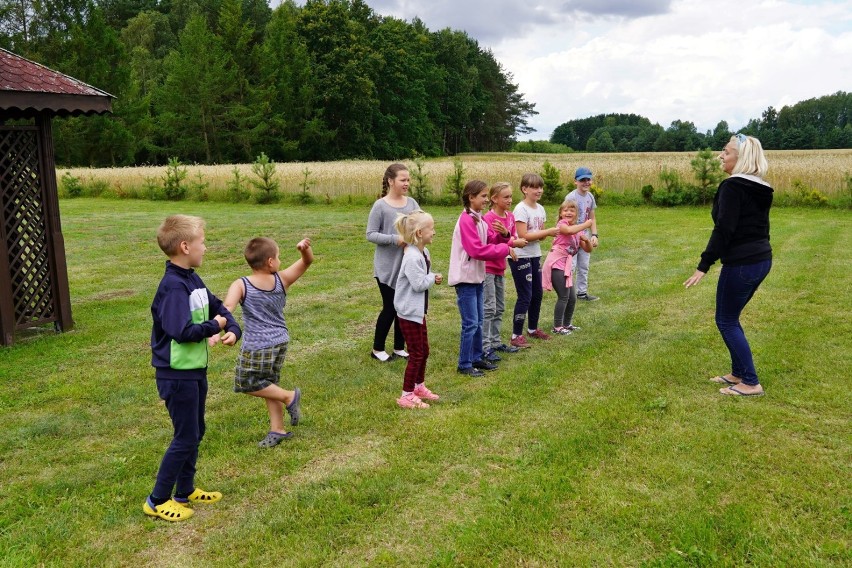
(473, 243)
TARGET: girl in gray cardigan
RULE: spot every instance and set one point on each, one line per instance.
(411, 301)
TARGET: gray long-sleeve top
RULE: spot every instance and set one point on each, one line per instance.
(381, 232)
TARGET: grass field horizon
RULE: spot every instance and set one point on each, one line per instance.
(606, 447)
(824, 170)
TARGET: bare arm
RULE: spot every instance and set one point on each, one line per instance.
(531, 236)
(574, 229)
(295, 270)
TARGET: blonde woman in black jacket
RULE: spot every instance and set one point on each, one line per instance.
(740, 239)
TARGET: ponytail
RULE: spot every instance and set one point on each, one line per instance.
(390, 174)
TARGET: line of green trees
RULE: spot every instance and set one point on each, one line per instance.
(220, 81)
(824, 122)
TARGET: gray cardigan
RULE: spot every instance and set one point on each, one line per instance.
(380, 231)
(415, 279)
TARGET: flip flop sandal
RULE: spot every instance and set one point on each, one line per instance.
(170, 511)
(273, 439)
(293, 409)
(732, 391)
(724, 381)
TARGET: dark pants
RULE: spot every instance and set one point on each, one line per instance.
(526, 273)
(566, 299)
(417, 338)
(185, 401)
(387, 318)
(737, 284)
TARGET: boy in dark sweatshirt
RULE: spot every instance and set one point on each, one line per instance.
(182, 311)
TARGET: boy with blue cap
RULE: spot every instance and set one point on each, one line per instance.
(586, 206)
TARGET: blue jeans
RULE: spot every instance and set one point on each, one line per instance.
(469, 298)
(185, 401)
(737, 284)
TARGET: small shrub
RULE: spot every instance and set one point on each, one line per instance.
(236, 188)
(454, 185)
(267, 184)
(96, 188)
(808, 196)
(419, 181)
(71, 185)
(198, 188)
(647, 193)
(672, 192)
(708, 174)
(553, 187)
(173, 188)
(597, 191)
(305, 196)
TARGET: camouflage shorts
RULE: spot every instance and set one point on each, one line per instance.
(260, 368)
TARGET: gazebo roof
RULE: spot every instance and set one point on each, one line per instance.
(27, 87)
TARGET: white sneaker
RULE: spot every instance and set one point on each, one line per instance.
(381, 356)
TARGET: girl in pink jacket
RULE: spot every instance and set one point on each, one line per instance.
(473, 243)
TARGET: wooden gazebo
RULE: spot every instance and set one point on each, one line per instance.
(33, 272)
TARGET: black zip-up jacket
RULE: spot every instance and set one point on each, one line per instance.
(741, 223)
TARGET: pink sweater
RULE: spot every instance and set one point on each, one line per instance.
(473, 244)
(498, 266)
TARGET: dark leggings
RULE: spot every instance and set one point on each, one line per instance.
(566, 299)
(387, 317)
(526, 273)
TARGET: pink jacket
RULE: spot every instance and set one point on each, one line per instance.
(498, 266)
(473, 244)
(555, 254)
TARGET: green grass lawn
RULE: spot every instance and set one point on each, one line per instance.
(606, 447)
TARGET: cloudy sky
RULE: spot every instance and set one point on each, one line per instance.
(697, 60)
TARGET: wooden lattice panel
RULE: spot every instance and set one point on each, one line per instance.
(25, 228)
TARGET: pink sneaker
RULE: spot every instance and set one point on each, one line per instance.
(411, 400)
(420, 391)
(538, 334)
(520, 342)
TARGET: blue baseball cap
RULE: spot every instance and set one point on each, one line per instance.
(583, 173)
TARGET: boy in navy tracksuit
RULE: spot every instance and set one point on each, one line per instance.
(182, 311)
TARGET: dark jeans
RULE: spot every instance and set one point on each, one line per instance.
(469, 298)
(387, 318)
(566, 299)
(737, 284)
(526, 273)
(185, 401)
(417, 339)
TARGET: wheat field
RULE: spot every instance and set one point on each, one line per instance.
(824, 170)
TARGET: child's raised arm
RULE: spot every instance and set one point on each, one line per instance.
(574, 229)
(295, 270)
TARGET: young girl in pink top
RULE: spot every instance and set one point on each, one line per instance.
(503, 222)
(474, 242)
(556, 273)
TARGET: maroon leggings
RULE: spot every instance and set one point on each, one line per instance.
(417, 341)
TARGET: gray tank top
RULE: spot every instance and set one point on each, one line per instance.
(263, 316)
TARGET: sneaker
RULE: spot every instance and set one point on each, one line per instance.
(587, 297)
(420, 391)
(538, 334)
(561, 330)
(492, 356)
(520, 342)
(411, 400)
(401, 353)
(381, 356)
(506, 348)
(471, 372)
(484, 365)
(294, 409)
(571, 327)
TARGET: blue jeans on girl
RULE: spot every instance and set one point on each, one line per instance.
(469, 298)
(737, 284)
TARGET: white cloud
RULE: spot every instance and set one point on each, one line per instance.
(697, 60)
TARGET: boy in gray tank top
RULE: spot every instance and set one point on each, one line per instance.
(262, 296)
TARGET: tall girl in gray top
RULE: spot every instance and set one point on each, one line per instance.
(388, 257)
